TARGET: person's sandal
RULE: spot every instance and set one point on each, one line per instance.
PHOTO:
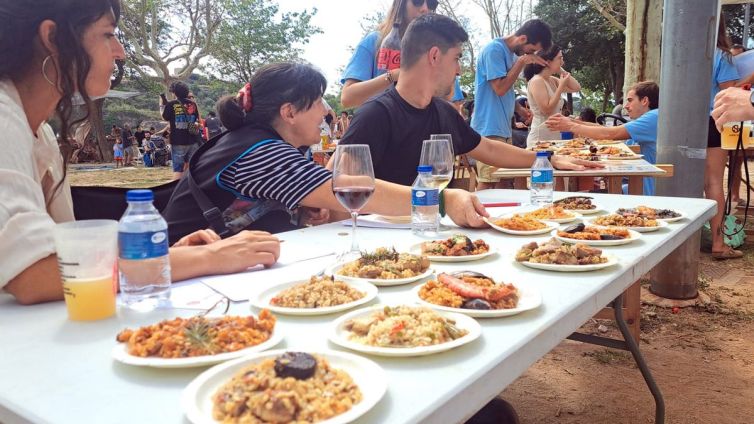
(728, 254)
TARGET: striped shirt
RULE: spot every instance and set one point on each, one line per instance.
(273, 170)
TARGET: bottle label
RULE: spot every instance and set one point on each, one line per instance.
(425, 197)
(388, 59)
(146, 245)
(541, 175)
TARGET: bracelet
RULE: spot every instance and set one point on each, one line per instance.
(389, 77)
(442, 203)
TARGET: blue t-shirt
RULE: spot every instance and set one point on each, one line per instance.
(363, 64)
(493, 113)
(723, 70)
(643, 131)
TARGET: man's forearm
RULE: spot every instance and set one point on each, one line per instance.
(599, 132)
(502, 155)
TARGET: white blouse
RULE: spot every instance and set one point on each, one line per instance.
(30, 169)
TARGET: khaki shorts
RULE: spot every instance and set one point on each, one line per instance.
(484, 172)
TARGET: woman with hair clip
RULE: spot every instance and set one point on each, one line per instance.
(545, 92)
(361, 79)
(724, 75)
(54, 50)
(255, 174)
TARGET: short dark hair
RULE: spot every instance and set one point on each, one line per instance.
(648, 89)
(180, 89)
(271, 87)
(588, 115)
(211, 113)
(536, 31)
(427, 31)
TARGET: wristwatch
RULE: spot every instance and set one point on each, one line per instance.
(751, 98)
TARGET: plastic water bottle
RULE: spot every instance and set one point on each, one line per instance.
(425, 203)
(541, 180)
(143, 261)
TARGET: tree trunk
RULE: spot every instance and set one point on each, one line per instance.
(643, 40)
(98, 136)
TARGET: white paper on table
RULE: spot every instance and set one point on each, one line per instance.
(193, 295)
(376, 221)
(299, 251)
(239, 287)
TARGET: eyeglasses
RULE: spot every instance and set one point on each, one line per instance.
(431, 4)
(191, 97)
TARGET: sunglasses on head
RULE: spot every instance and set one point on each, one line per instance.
(431, 4)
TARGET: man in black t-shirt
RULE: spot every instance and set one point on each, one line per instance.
(185, 129)
(213, 125)
(395, 123)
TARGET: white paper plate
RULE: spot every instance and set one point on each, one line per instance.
(416, 249)
(333, 270)
(597, 208)
(660, 224)
(608, 142)
(120, 354)
(340, 336)
(196, 400)
(634, 157)
(550, 225)
(530, 298)
(611, 260)
(676, 219)
(634, 235)
(262, 299)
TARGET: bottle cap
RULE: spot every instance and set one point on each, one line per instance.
(424, 168)
(139, 196)
(542, 154)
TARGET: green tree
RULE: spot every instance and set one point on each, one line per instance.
(251, 35)
(592, 46)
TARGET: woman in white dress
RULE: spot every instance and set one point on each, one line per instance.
(545, 91)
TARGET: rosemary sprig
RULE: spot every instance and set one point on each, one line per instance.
(197, 334)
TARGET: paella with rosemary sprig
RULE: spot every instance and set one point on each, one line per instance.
(198, 336)
(386, 264)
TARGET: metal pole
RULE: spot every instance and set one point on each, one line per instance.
(747, 19)
(688, 45)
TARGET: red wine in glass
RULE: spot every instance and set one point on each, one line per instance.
(353, 198)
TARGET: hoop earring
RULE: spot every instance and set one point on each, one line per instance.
(44, 71)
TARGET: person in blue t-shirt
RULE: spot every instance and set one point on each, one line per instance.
(641, 103)
(724, 75)
(498, 67)
(361, 79)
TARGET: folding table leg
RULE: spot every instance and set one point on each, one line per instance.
(633, 347)
(628, 343)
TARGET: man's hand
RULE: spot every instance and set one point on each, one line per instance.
(732, 105)
(559, 122)
(313, 216)
(198, 238)
(464, 208)
(568, 163)
(528, 59)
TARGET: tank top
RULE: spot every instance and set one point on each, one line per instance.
(538, 131)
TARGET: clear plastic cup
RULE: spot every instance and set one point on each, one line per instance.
(87, 252)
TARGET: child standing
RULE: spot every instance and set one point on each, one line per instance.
(118, 153)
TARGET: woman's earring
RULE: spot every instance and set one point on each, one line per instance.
(44, 71)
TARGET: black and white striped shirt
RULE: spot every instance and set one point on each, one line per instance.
(273, 170)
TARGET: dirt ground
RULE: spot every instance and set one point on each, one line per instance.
(701, 357)
(107, 175)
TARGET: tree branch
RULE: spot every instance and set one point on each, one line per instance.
(599, 7)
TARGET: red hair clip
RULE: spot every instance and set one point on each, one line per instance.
(244, 98)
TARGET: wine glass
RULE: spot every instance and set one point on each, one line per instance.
(438, 152)
(353, 182)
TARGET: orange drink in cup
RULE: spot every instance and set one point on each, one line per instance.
(729, 136)
(87, 252)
